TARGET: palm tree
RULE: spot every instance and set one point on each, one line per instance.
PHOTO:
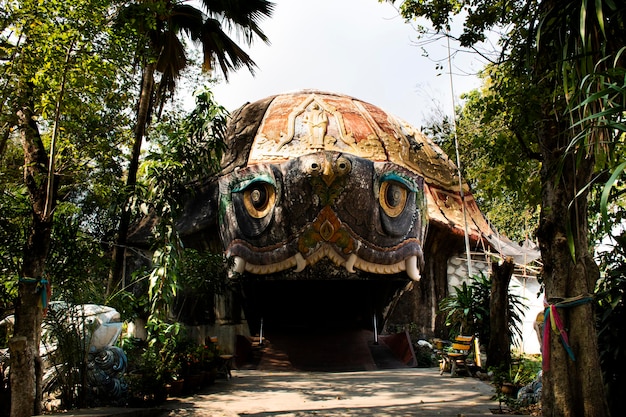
(160, 25)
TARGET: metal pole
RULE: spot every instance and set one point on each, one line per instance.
(261, 333)
(375, 330)
(458, 164)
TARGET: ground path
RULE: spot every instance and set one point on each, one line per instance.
(393, 392)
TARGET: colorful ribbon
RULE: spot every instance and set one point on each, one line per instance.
(43, 288)
(552, 320)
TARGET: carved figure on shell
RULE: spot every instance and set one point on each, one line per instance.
(317, 122)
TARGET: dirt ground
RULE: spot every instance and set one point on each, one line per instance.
(395, 392)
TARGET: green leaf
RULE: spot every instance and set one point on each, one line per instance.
(600, 16)
(604, 199)
(583, 18)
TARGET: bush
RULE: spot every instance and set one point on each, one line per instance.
(425, 355)
(611, 322)
(467, 310)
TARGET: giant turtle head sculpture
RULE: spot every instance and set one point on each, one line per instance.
(326, 176)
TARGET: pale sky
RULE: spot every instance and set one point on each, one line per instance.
(361, 48)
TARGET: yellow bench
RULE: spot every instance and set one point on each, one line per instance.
(455, 357)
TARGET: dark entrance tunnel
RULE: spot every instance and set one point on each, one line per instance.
(317, 305)
(321, 325)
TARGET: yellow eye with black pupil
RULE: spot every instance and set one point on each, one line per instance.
(393, 196)
(259, 199)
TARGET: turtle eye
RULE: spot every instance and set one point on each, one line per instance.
(342, 166)
(314, 167)
(254, 201)
(259, 198)
(392, 197)
(397, 201)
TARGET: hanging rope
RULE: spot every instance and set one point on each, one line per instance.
(552, 320)
(458, 162)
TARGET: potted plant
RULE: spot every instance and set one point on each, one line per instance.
(210, 360)
(508, 381)
(147, 377)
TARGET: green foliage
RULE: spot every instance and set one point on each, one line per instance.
(505, 186)
(526, 369)
(605, 96)
(479, 17)
(170, 355)
(156, 362)
(464, 312)
(147, 375)
(77, 263)
(558, 81)
(14, 213)
(132, 303)
(204, 272)
(184, 151)
(162, 27)
(583, 89)
(467, 310)
(54, 41)
(79, 68)
(611, 313)
(522, 371)
(63, 51)
(67, 337)
(425, 356)
(163, 283)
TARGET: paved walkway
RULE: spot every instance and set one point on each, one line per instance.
(396, 392)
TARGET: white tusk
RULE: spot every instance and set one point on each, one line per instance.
(300, 262)
(239, 265)
(411, 268)
(350, 263)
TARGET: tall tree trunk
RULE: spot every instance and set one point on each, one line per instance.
(144, 107)
(499, 347)
(26, 369)
(570, 387)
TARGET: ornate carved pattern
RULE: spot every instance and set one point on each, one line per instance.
(316, 125)
(326, 228)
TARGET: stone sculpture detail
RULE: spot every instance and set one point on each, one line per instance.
(316, 192)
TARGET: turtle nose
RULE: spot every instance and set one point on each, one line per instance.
(328, 173)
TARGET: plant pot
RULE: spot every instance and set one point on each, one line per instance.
(509, 389)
